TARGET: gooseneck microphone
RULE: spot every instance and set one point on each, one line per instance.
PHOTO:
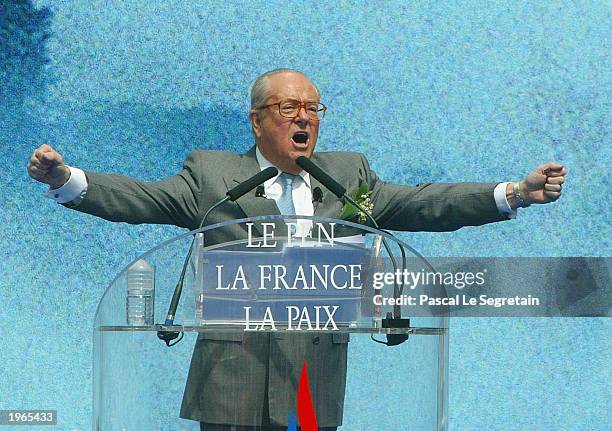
(331, 184)
(233, 194)
(246, 186)
(340, 191)
(321, 176)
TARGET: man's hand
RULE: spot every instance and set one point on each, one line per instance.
(543, 185)
(47, 166)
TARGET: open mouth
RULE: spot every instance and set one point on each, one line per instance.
(300, 137)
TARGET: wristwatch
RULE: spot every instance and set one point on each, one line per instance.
(518, 196)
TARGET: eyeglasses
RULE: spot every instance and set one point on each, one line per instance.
(290, 108)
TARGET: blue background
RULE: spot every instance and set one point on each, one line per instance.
(482, 91)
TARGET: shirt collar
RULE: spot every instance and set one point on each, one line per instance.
(265, 163)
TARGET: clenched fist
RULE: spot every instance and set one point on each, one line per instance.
(47, 166)
(543, 185)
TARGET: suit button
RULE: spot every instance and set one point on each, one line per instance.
(315, 340)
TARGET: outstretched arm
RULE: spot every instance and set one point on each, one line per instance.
(123, 199)
(448, 207)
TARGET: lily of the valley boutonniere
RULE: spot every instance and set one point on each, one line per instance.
(361, 195)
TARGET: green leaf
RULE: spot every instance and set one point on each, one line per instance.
(363, 188)
(348, 211)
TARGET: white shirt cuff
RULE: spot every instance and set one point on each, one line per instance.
(74, 189)
(500, 200)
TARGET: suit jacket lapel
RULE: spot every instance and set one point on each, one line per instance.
(251, 205)
(330, 206)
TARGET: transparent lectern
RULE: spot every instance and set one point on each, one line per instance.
(282, 320)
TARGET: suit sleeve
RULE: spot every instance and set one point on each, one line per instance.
(432, 207)
(118, 198)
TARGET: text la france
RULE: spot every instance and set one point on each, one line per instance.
(292, 277)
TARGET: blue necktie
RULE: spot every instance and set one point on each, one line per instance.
(285, 201)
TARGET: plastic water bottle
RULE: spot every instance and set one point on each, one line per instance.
(140, 294)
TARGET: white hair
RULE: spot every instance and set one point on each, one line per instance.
(259, 88)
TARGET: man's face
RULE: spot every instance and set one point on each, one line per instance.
(280, 138)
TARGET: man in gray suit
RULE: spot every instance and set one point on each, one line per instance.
(285, 116)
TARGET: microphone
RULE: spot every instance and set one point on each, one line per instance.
(233, 194)
(248, 185)
(317, 195)
(331, 184)
(340, 191)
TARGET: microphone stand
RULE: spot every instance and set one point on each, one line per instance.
(393, 320)
(165, 334)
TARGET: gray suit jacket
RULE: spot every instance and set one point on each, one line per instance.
(231, 375)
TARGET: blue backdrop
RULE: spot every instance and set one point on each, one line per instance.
(482, 91)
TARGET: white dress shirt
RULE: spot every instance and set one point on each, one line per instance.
(301, 194)
(76, 188)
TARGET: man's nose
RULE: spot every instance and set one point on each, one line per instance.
(302, 116)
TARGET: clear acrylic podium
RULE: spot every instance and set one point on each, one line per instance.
(314, 299)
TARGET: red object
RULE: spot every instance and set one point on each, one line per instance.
(305, 407)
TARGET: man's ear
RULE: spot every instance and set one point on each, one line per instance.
(255, 117)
